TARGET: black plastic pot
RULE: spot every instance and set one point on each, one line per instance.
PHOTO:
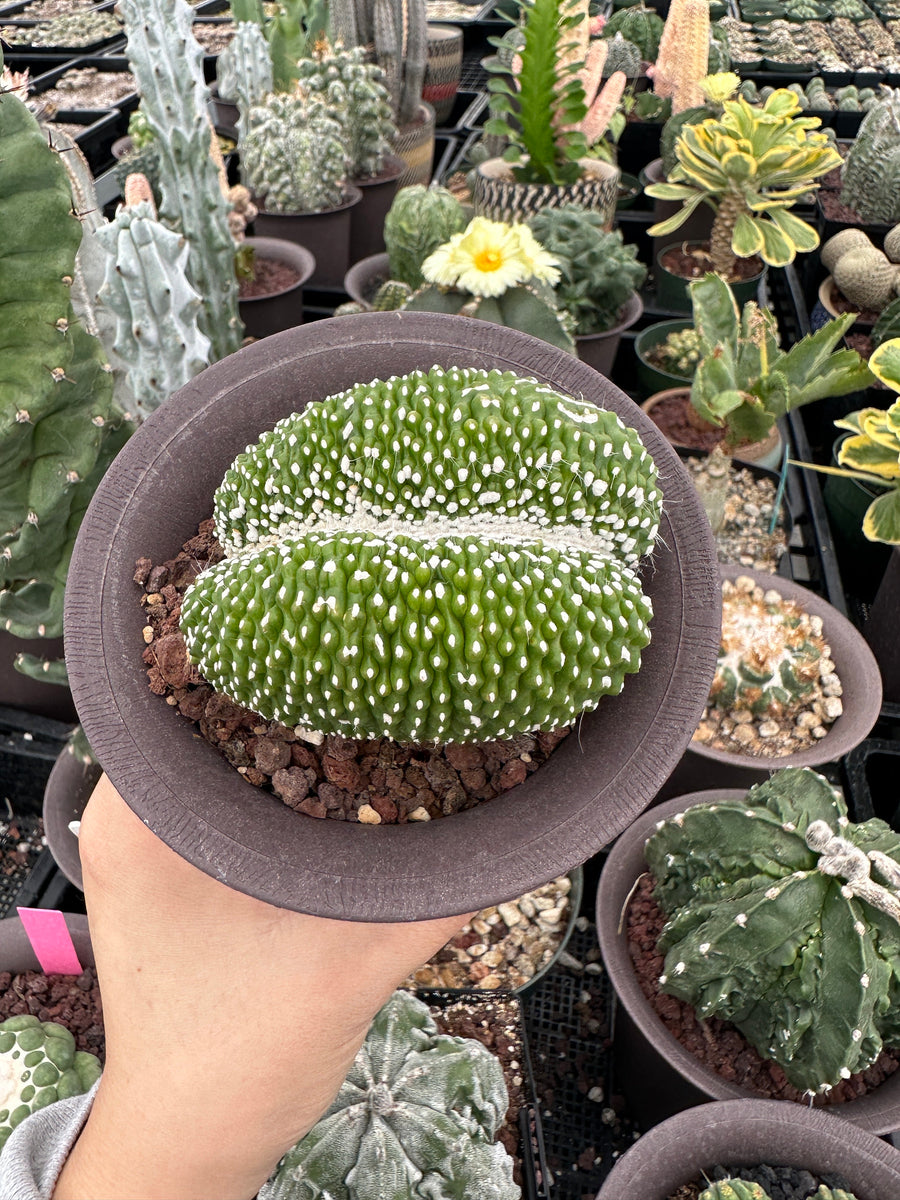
(68, 790)
(651, 378)
(862, 563)
(17, 955)
(325, 234)
(672, 290)
(589, 789)
(365, 276)
(98, 132)
(367, 217)
(598, 350)
(265, 315)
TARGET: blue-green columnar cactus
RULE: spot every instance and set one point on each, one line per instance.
(156, 310)
(778, 922)
(415, 1119)
(39, 1065)
(352, 90)
(292, 155)
(446, 556)
(59, 426)
(419, 220)
(244, 69)
(167, 62)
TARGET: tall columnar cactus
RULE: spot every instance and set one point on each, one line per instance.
(779, 921)
(59, 426)
(683, 58)
(39, 1065)
(155, 308)
(419, 220)
(167, 62)
(398, 30)
(871, 172)
(244, 69)
(293, 156)
(416, 1117)
(445, 556)
(351, 89)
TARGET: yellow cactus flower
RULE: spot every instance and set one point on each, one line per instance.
(488, 257)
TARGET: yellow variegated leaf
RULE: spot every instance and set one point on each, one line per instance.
(777, 251)
(882, 520)
(885, 363)
(738, 165)
(747, 238)
(876, 427)
(804, 237)
(862, 454)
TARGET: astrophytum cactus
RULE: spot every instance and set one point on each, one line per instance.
(784, 918)
(446, 556)
(416, 1118)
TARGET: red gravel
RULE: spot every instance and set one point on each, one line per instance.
(69, 1000)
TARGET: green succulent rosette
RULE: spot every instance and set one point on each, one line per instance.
(440, 556)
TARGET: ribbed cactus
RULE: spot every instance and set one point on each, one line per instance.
(734, 1189)
(392, 294)
(167, 63)
(397, 29)
(419, 220)
(351, 89)
(292, 155)
(776, 922)
(439, 556)
(244, 69)
(155, 308)
(683, 58)
(59, 426)
(866, 277)
(622, 55)
(871, 172)
(415, 1118)
(640, 25)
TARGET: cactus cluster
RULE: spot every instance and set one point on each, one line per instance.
(292, 155)
(778, 920)
(871, 172)
(416, 1117)
(70, 29)
(445, 556)
(419, 220)
(865, 275)
(678, 354)
(398, 33)
(39, 1065)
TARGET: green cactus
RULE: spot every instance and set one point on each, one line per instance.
(292, 155)
(167, 63)
(622, 56)
(59, 426)
(776, 923)
(871, 172)
(392, 294)
(734, 1189)
(419, 220)
(679, 353)
(827, 1193)
(415, 1118)
(398, 33)
(526, 566)
(528, 306)
(509, 45)
(866, 277)
(244, 69)
(351, 89)
(599, 272)
(719, 56)
(39, 1065)
(641, 26)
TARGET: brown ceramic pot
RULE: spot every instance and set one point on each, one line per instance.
(152, 499)
(367, 217)
(767, 452)
(264, 315)
(17, 955)
(361, 280)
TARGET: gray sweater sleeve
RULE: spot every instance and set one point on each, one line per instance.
(33, 1157)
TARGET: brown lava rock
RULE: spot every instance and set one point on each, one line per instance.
(69, 1000)
(716, 1043)
(377, 781)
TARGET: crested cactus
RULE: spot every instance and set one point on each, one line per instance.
(778, 920)
(622, 55)
(167, 63)
(39, 1065)
(292, 155)
(244, 69)
(60, 425)
(683, 57)
(351, 88)
(419, 220)
(417, 597)
(416, 1117)
(871, 173)
(639, 25)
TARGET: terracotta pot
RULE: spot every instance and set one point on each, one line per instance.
(659, 1076)
(68, 790)
(265, 315)
(500, 197)
(747, 1133)
(367, 217)
(325, 234)
(415, 145)
(443, 68)
(768, 452)
(362, 278)
(861, 682)
(598, 350)
(32, 695)
(588, 791)
(17, 955)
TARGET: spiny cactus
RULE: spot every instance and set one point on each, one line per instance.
(679, 353)
(775, 921)
(640, 25)
(167, 63)
(398, 32)
(734, 1189)
(244, 69)
(622, 55)
(419, 220)
(416, 1117)
(871, 173)
(443, 556)
(39, 1065)
(352, 89)
(293, 156)
(683, 57)
(390, 296)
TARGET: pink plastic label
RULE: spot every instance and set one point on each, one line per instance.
(51, 941)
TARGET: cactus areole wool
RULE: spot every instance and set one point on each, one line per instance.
(622, 748)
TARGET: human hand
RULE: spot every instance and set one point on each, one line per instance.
(230, 1024)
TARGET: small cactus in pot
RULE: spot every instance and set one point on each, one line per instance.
(419, 220)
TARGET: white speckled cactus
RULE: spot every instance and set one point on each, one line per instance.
(444, 557)
(292, 155)
(415, 1118)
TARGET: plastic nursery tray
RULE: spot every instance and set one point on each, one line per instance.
(25, 46)
(98, 132)
(535, 1174)
(111, 63)
(871, 769)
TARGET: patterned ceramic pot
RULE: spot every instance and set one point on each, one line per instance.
(502, 198)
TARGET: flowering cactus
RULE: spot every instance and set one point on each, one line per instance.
(444, 556)
(776, 923)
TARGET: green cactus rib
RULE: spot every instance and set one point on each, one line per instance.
(419, 220)
(415, 1118)
(798, 947)
(244, 69)
(437, 556)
